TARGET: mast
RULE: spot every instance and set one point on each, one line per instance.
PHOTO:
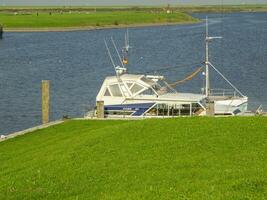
(207, 89)
(208, 64)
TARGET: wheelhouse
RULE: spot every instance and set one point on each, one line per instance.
(146, 96)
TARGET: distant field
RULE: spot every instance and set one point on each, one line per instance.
(223, 8)
(94, 19)
(184, 158)
(63, 17)
(175, 8)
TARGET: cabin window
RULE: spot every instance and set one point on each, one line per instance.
(107, 93)
(115, 90)
(163, 110)
(156, 87)
(149, 91)
(129, 85)
(136, 88)
(175, 110)
(147, 81)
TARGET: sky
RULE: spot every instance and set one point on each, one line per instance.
(124, 2)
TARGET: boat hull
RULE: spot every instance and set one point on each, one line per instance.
(236, 106)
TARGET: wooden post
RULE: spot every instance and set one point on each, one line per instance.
(100, 109)
(210, 108)
(45, 101)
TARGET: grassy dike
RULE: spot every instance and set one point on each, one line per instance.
(94, 19)
(83, 18)
(184, 158)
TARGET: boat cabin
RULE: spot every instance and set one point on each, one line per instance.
(140, 96)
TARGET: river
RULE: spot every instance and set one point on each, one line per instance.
(77, 62)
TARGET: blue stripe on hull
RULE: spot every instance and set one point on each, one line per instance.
(138, 109)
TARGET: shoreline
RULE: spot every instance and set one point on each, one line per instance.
(12, 135)
(29, 130)
(92, 28)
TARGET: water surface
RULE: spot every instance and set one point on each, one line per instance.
(77, 62)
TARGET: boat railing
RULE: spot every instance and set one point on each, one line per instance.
(223, 92)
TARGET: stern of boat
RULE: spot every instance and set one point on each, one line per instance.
(232, 106)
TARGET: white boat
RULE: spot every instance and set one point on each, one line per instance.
(134, 96)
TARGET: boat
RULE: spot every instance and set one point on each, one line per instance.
(127, 95)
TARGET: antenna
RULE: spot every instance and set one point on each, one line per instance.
(117, 51)
(208, 39)
(207, 59)
(119, 70)
(126, 48)
(109, 54)
(127, 42)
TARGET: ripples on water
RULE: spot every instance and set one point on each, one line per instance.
(77, 62)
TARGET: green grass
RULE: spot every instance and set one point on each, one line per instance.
(185, 158)
(44, 20)
(109, 16)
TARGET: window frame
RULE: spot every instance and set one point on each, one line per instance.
(107, 89)
(112, 92)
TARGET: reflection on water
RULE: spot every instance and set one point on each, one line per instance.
(77, 62)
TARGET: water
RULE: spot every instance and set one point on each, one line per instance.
(77, 62)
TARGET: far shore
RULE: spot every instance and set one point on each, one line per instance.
(61, 19)
(91, 28)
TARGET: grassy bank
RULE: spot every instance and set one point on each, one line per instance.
(95, 19)
(186, 158)
(99, 17)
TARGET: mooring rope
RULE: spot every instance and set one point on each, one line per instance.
(188, 78)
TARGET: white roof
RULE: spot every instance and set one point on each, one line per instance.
(183, 96)
(124, 77)
(146, 83)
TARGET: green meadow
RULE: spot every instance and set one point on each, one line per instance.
(90, 19)
(183, 158)
(18, 17)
